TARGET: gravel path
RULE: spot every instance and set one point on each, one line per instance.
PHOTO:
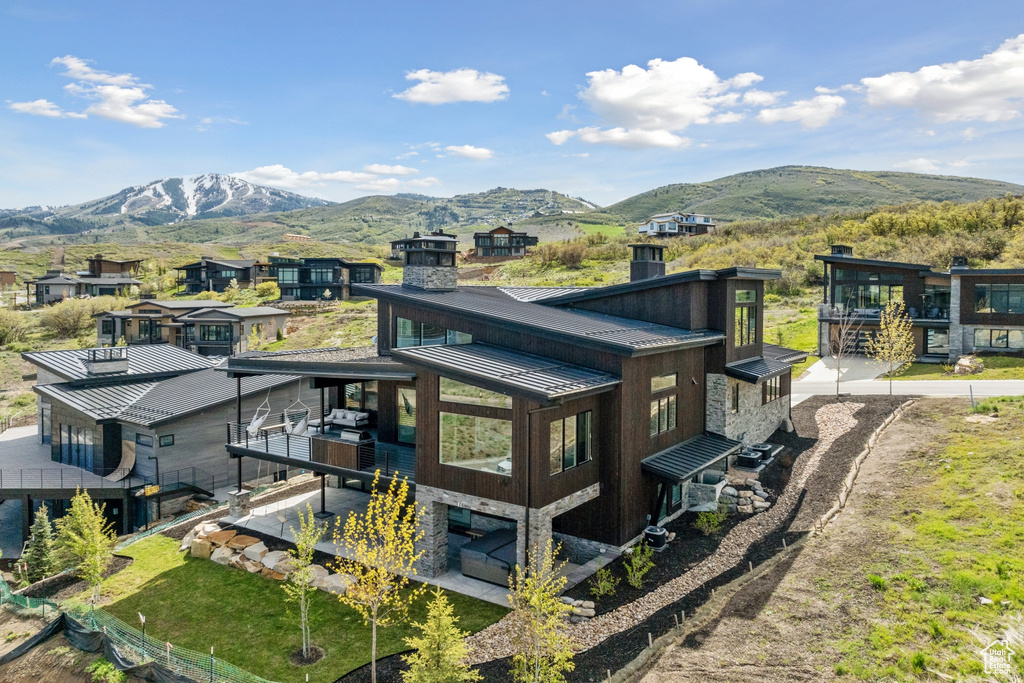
(833, 420)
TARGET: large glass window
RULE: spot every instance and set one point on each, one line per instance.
(746, 296)
(106, 327)
(150, 329)
(746, 325)
(287, 275)
(998, 298)
(937, 342)
(362, 274)
(570, 443)
(407, 415)
(663, 415)
(319, 275)
(663, 382)
(76, 446)
(458, 392)
(361, 396)
(478, 443)
(772, 389)
(215, 333)
(410, 333)
(227, 273)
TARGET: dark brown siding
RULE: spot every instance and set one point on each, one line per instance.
(546, 488)
(387, 410)
(682, 305)
(734, 353)
(967, 313)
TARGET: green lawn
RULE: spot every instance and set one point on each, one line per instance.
(197, 604)
(996, 367)
(952, 539)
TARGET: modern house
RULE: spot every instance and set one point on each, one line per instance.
(398, 247)
(147, 414)
(501, 243)
(55, 286)
(676, 224)
(573, 412)
(214, 275)
(315, 279)
(861, 288)
(987, 309)
(103, 267)
(210, 328)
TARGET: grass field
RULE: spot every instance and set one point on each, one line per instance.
(198, 604)
(951, 538)
(996, 367)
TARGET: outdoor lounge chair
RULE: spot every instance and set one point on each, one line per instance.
(490, 558)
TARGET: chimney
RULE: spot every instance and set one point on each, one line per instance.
(959, 262)
(842, 250)
(430, 262)
(648, 261)
(107, 361)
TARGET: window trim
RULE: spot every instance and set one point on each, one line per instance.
(166, 440)
(587, 443)
(772, 390)
(141, 440)
(667, 410)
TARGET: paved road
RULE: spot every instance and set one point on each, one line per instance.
(951, 387)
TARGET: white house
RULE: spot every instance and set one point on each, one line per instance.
(676, 224)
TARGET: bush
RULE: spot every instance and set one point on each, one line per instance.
(74, 317)
(571, 254)
(104, 672)
(708, 523)
(772, 298)
(639, 563)
(207, 296)
(12, 327)
(268, 290)
(602, 583)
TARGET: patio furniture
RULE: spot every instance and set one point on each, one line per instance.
(490, 558)
(339, 417)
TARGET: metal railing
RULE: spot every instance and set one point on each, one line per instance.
(186, 476)
(827, 311)
(14, 420)
(298, 444)
(65, 478)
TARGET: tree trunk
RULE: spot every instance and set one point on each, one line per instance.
(373, 652)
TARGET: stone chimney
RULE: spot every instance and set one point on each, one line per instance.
(430, 262)
(959, 262)
(842, 250)
(648, 261)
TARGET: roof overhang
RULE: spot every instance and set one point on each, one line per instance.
(356, 370)
(757, 370)
(684, 460)
(536, 378)
(849, 260)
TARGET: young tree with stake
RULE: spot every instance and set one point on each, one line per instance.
(842, 339)
(892, 345)
(378, 548)
(299, 585)
(85, 540)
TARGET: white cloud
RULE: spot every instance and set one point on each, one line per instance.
(460, 85)
(386, 169)
(381, 185)
(968, 134)
(119, 97)
(963, 163)
(37, 108)
(429, 181)
(284, 177)
(822, 90)
(812, 113)
(650, 107)
(990, 88)
(762, 98)
(407, 155)
(470, 152)
(919, 165)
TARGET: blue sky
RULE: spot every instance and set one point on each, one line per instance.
(599, 99)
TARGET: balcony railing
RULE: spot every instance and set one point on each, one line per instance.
(829, 312)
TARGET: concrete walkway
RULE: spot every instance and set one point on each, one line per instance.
(276, 519)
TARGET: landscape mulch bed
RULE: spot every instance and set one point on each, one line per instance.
(68, 586)
(690, 547)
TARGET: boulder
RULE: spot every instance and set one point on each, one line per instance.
(318, 573)
(761, 505)
(566, 600)
(285, 566)
(207, 528)
(336, 584)
(583, 612)
(730, 491)
(757, 499)
(201, 548)
(752, 482)
(220, 538)
(222, 555)
(985, 601)
(271, 559)
(746, 494)
(241, 542)
(255, 552)
(252, 567)
(186, 542)
(745, 509)
(271, 574)
(587, 604)
(237, 560)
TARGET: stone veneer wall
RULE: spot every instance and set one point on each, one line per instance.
(956, 330)
(430, 277)
(754, 422)
(435, 501)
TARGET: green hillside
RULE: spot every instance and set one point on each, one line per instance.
(805, 190)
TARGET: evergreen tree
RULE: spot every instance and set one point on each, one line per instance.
(40, 553)
(440, 651)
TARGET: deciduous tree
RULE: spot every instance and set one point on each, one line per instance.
(439, 652)
(543, 651)
(842, 339)
(378, 548)
(299, 585)
(85, 540)
(893, 344)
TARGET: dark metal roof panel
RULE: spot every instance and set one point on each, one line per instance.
(757, 370)
(142, 360)
(607, 332)
(853, 261)
(682, 461)
(100, 402)
(519, 373)
(356, 363)
(782, 354)
(538, 293)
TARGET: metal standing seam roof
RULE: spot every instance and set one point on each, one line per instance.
(538, 377)
(757, 370)
(253, 312)
(362, 362)
(782, 354)
(142, 360)
(192, 303)
(624, 336)
(102, 402)
(538, 293)
(682, 461)
(89, 280)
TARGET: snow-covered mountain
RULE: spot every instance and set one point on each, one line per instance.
(174, 199)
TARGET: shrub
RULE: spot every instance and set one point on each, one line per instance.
(207, 296)
(571, 254)
(639, 563)
(104, 672)
(772, 298)
(268, 290)
(918, 662)
(602, 583)
(709, 523)
(878, 583)
(12, 327)
(67, 319)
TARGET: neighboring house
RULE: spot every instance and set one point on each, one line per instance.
(214, 275)
(307, 279)
(987, 309)
(8, 279)
(676, 224)
(225, 331)
(501, 243)
(573, 412)
(862, 288)
(55, 286)
(398, 247)
(102, 267)
(127, 413)
(149, 321)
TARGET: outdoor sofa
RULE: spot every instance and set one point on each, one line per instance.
(339, 417)
(490, 558)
